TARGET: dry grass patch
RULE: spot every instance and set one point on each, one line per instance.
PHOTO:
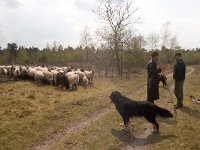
(186, 130)
(34, 112)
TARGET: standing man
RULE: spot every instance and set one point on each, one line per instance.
(179, 77)
(152, 79)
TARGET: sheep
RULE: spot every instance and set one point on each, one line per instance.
(24, 72)
(39, 76)
(31, 72)
(3, 71)
(9, 70)
(90, 75)
(39, 68)
(81, 75)
(85, 81)
(62, 80)
(54, 72)
(82, 70)
(66, 69)
(59, 69)
(70, 73)
(48, 77)
(16, 72)
(73, 80)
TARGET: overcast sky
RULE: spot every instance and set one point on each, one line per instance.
(36, 22)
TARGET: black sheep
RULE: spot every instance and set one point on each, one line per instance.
(61, 80)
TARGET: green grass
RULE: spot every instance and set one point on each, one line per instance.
(30, 113)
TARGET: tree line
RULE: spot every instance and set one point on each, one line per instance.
(101, 58)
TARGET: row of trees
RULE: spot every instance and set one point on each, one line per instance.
(135, 57)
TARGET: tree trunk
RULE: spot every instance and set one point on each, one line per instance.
(118, 62)
(107, 67)
(87, 59)
(121, 66)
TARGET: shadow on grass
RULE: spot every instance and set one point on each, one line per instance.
(157, 138)
(190, 111)
(124, 136)
(129, 139)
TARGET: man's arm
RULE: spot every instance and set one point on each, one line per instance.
(152, 70)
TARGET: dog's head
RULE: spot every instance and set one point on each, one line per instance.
(113, 95)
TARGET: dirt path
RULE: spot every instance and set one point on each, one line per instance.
(78, 126)
(72, 129)
(141, 140)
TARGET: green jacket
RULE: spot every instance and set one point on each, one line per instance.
(179, 70)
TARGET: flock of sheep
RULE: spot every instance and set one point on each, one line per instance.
(64, 77)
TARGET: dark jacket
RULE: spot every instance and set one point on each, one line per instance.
(152, 81)
(179, 70)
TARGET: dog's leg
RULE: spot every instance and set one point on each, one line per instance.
(126, 121)
(152, 120)
(156, 127)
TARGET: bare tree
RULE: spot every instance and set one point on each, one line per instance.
(116, 18)
(169, 41)
(86, 41)
(173, 43)
(165, 35)
(153, 40)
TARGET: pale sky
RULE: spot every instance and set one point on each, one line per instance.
(36, 22)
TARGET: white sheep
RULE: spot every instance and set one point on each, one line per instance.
(54, 72)
(39, 68)
(3, 71)
(16, 72)
(24, 72)
(39, 76)
(24, 69)
(85, 81)
(81, 75)
(70, 73)
(73, 80)
(48, 76)
(9, 70)
(31, 72)
(90, 75)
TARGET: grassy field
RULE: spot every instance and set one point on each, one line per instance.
(31, 113)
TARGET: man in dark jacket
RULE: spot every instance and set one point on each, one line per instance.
(152, 79)
(179, 77)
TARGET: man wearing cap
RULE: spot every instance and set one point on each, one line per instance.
(152, 79)
(179, 77)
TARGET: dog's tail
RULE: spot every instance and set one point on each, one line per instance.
(163, 112)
